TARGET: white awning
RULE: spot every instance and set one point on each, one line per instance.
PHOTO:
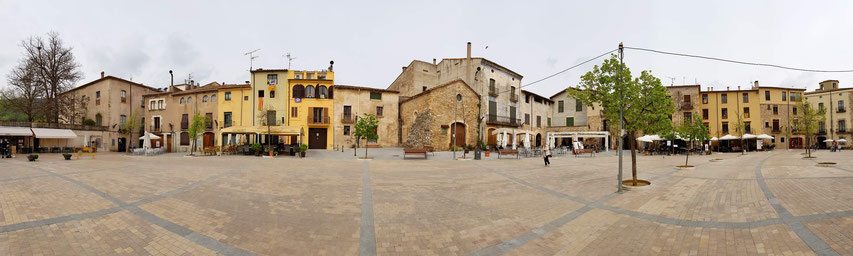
(15, 131)
(47, 133)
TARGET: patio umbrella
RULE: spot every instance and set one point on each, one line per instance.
(654, 137)
(645, 139)
(146, 139)
(503, 141)
(527, 140)
(748, 136)
(514, 140)
(828, 140)
(764, 137)
(729, 137)
(714, 138)
(841, 140)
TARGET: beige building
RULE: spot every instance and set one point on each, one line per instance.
(170, 113)
(835, 101)
(353, 101)
(432, 117)
(686, 100)
(536, 111)
(498, 88)
(110, 101)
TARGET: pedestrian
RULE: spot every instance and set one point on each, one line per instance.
(547, 155)
(3, 148)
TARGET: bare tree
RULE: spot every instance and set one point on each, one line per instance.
(55, 69)
(24, 91)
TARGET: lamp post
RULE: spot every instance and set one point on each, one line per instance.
(455, 104)
(621, 141)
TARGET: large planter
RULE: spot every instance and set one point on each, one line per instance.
(641, 184)
(301, 153)
(488, 153)
(32, 157)
(67, 156)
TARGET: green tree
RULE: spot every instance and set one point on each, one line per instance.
(365, 129)
(643, 99)
(133, 123)
(267, 118)
(693, 130)
(740, 128)
(810, 120)
(197, 128)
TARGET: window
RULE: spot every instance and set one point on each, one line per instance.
(185, 139)
(783, 96)
(379, 111)
(578, 106)
(298, 91)
(209, 120)
(270, 117)
(820, 106)
(795, 110)
(204, 98)
(687, 99)
(189, 100)
(705, 114)
(775, 110)
(492, 86)
(185, 121)
(272, 79)
(319, 116)
(122, 121)
(705, 98)
(840, 105)
(782, 140)
(795, 96)
(560, 106)
(725, 127)
(245, 98)
(375, 96)
(842, 126)
(181, 101)
(309, 91)
(260, 93)
(725, 113)
(160, 104)
(98, 119)
(745, 112)
(538, 121)
(98, 95)
(123, 96)
(227, 96)
(526, 118)
(747, 127)
(272, 94)
(321, 91)
(745, 97)
(156, 123)
(724, 98)
(688, 116)
(570, 121)
(766, 95)
(346, 129)
(213, 98)
(151, 105)
(294, 112)
(549, 122)
(228, 119)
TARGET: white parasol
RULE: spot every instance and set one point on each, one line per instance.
(714, 138)
(748, 136)
(504, 140)
(842, 140)
(729, 137)
(527, 140)
(146, 139)
(828, 140)
(764, 137)
(646, 138)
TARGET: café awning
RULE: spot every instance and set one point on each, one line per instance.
(15, 131)
(273, 130)
(47, 133)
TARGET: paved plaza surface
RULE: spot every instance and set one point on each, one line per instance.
(761, 203)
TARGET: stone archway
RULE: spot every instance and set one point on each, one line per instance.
(459, 129)
(538, 140)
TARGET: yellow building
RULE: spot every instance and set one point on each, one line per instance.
(234, 108)
(311, 104)
(764, 110)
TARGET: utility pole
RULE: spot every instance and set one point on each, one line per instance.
(621, 106)
(251, 57)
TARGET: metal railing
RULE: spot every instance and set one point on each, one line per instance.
(348, 119)
(318, 120)
(686, 105)
(54, 125)
(840, 110)
(513, 97)
(503, 120)
(493, 91)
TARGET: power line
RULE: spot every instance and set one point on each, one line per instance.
(562, 71)
(738, 62)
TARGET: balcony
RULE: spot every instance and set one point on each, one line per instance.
(504, 120)
(841, 110)
(821, 131)
(841, 130)
(151, 128)
(493, 91)
(775, 130)
(513, 97)
(686, 106)
(348, 119)
(318, 120)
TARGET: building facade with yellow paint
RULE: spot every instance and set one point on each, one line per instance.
(311, 106)
(234, 108)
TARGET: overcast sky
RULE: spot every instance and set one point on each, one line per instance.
(371, 41)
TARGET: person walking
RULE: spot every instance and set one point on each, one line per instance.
(4, 145)
(547, 155)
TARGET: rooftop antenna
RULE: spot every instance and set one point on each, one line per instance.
(672, 80)
(251, 57)
(289, 59)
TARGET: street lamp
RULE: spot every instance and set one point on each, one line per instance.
(455, 103)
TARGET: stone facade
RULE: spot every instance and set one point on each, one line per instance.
(358, 100)
(182, 100)
(427, 118)
(687, 100)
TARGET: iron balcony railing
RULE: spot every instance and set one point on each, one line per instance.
(686, 105)
(348, 119)
(841, 110)
(318, 120)
(503, 120)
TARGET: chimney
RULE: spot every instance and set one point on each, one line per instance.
(404, 68)
(756, 84)
(469, 50)
(331, 66)
(433, 61)
(727, 88)
(102, 74)
(738, 87)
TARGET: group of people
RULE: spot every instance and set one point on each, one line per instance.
(835, 147)
(5, 149)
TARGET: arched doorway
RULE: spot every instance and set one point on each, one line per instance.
(538, 140)
(459, 129)
(491, 139)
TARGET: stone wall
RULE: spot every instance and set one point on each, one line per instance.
(426, 118)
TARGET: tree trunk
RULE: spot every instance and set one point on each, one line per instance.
(365, 149)
(633, 142)
(688, 154)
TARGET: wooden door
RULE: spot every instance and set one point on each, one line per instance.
(208, 140)
(168, 143)
(492, 138)
(459, 129)
(317, 138)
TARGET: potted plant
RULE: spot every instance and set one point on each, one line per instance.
(257, 148)
(32, 157)
(67, 156)
(302, 149)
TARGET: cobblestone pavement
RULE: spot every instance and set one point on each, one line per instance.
(761, 203)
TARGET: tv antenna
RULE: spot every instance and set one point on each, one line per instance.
(672, 80)
(290, 58)
(251, 57)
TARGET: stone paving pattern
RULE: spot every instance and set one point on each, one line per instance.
(762, 203)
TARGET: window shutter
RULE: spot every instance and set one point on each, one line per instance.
(331, 89)
(310, 115)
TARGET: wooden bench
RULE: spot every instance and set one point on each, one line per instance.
(507, 152)
(85, 151)
(430, 149)
(411, 151)
(582, 151)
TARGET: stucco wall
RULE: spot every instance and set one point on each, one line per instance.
(361, 103)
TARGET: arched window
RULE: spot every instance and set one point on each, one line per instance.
(213, 98)
(298, 91)
(181, 101)
(204, 99)
(189, 100)
(321, 91)
(309, 91)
